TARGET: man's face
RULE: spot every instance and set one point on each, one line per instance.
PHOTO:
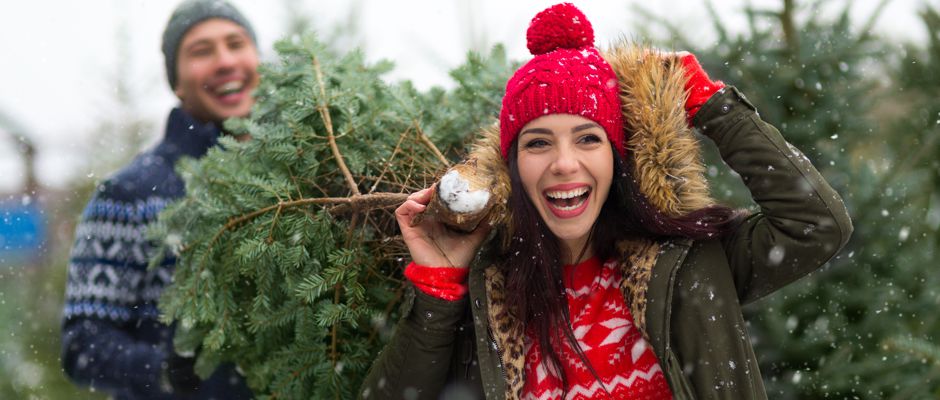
(217, 69)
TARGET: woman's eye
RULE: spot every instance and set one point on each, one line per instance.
(536, 144)
(590, 138)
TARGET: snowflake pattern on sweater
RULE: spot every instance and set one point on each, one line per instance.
(604, 330)
(108, 276)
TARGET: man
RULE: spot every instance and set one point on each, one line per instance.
(112, 340)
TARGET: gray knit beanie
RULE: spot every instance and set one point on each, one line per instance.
(186, 16)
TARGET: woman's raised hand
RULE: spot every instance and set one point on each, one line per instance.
(698, 84)
(431, 243)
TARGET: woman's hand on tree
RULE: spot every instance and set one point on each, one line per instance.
(431, 243)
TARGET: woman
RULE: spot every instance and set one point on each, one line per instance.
(616, 275)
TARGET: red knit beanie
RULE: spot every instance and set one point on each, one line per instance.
(566, 76)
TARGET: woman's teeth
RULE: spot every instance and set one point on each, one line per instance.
(566, 194)
(567, 200)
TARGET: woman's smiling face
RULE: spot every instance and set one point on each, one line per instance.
(566, 165)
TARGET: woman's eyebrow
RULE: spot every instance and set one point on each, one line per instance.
(537, 130)
(584, 126)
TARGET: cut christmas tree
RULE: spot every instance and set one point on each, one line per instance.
(288, 255)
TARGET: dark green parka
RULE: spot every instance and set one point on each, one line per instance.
(685, 296)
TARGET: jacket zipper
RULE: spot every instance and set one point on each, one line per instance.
(499, 358)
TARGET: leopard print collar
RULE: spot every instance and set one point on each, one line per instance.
(637, 258)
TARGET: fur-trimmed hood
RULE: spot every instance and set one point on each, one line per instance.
(666, 162)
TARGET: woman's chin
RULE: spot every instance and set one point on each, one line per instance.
(571, 235)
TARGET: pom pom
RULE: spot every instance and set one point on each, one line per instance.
(559, 26)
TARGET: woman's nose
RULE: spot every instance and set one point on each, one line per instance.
(566, 161)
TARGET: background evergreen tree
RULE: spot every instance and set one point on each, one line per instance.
(32, 291)
(867, 116)
(918, 128)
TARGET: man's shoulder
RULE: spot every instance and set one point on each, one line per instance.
(149, 174)
(137, 191)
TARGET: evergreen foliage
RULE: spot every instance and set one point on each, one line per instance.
(289, 263)
(867, 116)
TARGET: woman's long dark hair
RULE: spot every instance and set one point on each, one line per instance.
(535, 291)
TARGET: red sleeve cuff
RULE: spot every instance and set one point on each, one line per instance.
(446, 283)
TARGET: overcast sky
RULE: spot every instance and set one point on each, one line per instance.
(58, 59)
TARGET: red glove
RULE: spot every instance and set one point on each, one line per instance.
(447, 283)
(699, 85)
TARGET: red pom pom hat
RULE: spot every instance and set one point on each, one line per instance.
(566, 76)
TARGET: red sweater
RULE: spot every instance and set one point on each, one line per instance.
(601, 323)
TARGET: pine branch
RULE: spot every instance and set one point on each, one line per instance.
(293, 179)
(920, 348)
(427, 142)
(402, 187)
(867, 27)
(337, 292)
(274, 224)
(323, 107)
(388, 163)
(355, 203)
(294, 375)
(890, 177)
(333, 330)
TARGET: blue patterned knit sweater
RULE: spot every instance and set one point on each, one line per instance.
(111, 338)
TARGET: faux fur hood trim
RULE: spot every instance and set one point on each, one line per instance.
(490, 162)
(667, 161)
